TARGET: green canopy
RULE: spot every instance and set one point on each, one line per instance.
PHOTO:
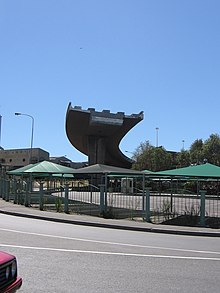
(19, 171)
(148, 171)
(44, 175)
(45, 168)
(106, 169)
(49, 168)
(205, 171)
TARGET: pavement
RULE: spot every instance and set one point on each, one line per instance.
(10, 208)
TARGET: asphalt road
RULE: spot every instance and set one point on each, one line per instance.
(57, 257)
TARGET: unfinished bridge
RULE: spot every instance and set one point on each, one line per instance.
(98, 134)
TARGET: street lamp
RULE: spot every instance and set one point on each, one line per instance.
(130, 153)
(157, 128)
(133, 159)
(183, 141)
(32, 131)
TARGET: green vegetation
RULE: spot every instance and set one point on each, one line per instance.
(58, 204)
(148, 157)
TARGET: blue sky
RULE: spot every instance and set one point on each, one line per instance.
(160, 57)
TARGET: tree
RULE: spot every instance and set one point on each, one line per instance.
(148, 157)
(183, 159)
(142, 156)
(161, 159)
(197, 152)
(212, 149)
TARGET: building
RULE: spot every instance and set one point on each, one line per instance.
(15, 158)
(63, 160)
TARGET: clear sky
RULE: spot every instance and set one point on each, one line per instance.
(157, 56)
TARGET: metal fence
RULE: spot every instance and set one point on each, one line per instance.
(179, 208)
(185, 209)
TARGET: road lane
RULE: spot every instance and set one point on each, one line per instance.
(41, 231)
(71, 258)
(42, 239)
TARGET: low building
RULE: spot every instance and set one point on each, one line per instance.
(15, 158)
(63, 160)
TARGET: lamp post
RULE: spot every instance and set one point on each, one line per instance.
(183, 141)
(157, 128)
(133, 158)
(32, 131)
(130, 153)
(0, 129)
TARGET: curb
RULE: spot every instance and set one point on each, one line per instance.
(116, 226)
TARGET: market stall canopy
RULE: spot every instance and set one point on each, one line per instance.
(198, 171)
(148, 172)
(45, 174)
(50, 168)
(19, 171)
(106, 169)
(43, 168)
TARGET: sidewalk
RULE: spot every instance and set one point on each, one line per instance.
(21, 211)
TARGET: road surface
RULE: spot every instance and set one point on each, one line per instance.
(57, 257)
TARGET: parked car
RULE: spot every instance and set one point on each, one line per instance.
(10, 282)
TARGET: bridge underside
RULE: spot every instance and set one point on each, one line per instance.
(98, 134)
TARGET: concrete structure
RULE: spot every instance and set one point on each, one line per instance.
(20, 157)
(98, 134)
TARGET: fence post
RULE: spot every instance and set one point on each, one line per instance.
(171, 196)
(7, 187)
(41, 196)
(202, 208)
(147, 206)
(1, 181)
(19, 191)
(102, 199)
(66, 200)
(3, 189)
(26, 201)
(15, 192)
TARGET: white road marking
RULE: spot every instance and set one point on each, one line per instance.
(111, 243)
(111, 253)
